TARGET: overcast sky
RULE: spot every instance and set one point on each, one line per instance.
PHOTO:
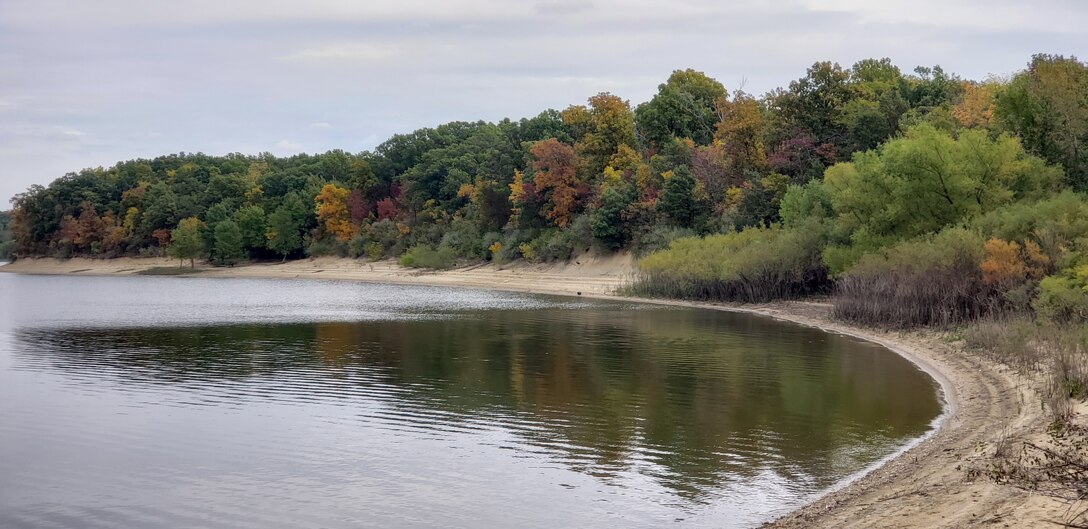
(90, 82)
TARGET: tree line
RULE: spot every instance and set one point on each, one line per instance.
(814, 184)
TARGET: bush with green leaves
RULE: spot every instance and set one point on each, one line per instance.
(658, 237)
(427, 257)
(510, 245)
(380, 239)
(922, 182)
(752, 265)
(1058, 224)
(551, 245)
(464, 236)
(1063, 297)
(325, 246)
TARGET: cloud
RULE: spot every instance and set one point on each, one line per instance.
(65, 133)
(347, 51)
(978, 14)
(129, 13)
(288, 147)
(562, 7)
(84, 81)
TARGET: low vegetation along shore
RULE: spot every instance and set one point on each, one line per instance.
(979, 469)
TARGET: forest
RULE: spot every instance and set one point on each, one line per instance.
(918, 198)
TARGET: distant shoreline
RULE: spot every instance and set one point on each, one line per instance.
(923, 486)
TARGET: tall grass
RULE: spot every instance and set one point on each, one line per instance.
(1057, 351)
(753, 265)
(930, 281)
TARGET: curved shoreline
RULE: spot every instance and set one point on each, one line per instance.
(923, 484)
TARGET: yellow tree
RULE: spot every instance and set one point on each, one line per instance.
(333, 212)
(601, 129)
(740, 131)
(976, 108)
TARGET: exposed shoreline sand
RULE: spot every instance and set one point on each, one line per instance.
(924, 486)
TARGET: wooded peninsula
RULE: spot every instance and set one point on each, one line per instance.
(908, 200)
(917, 198)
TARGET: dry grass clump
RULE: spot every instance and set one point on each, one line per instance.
(933, 281)
(1057, 465)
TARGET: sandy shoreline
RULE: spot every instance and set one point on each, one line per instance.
(925, 486)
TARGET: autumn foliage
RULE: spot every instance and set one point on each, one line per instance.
(555, 176)
(1009, 264)
(837, 180)
(334, 213)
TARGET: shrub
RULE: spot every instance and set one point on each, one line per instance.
(464, 236)
(1063, 297)
(326, 246)
(928, 281)
(551, 245)
(427, 257)
(492, 241)
(7, 250)
(509, 247)
(802, 202)
(1055, 224)
(658, 238)
(1014, 270)
(377, 240)
(1058, 350)
(752, 265)
(1014, 341)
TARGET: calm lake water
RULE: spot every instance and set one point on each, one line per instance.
(189, 402)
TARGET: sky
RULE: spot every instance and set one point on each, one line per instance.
(87, 83)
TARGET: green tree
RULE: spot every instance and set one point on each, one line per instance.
(228, 242)
(677, 199)
(253, 224)
(927, 180)
(872, 115)
(160, 209)
(7, 239)
(1047, 105)
(812, 103)
(285, 226)
(187, 240)
(682, 108)
(607, 222)
(212, 217)
(228, 190)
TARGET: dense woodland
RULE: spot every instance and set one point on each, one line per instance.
(953, 198)
(913, 199)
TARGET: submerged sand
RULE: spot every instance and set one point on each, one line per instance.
(928, 485)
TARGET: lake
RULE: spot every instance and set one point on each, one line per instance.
(193, 402)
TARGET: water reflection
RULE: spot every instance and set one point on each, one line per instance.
(680, 412)
(605, 389)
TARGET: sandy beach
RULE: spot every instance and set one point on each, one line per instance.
(929, 485)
